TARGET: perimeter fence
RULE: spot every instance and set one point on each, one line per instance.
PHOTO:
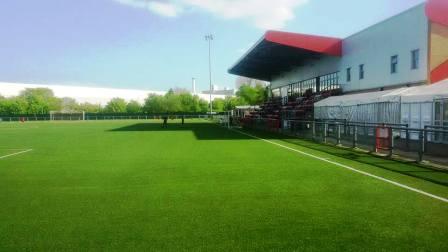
(97, 117)
(430, 143)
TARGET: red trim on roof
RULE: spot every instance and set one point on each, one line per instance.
(437, 11)
(319, 44)
(440, 73)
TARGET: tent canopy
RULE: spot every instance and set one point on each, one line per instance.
(424, 93)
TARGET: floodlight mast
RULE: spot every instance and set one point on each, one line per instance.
(209, 38)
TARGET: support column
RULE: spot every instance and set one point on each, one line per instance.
(318, 84)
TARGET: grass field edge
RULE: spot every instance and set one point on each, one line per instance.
(410, 188)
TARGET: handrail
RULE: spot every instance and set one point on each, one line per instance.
(371, 124)
(343, 122)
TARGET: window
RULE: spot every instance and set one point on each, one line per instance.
(361, 71)
(445, 113)
(415, 55)
(441, 119)
(437, 112)
(393, 64)
(349, 74)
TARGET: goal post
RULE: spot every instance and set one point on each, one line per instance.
(67, 116)
(224, 119)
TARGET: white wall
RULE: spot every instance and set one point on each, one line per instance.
(374, 47)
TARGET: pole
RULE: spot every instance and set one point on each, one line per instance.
(209, 38)
(355, 136)
(193, 86)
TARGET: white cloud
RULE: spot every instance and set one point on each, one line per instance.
(165, 8)
(264, 14)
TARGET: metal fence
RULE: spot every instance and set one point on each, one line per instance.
(430, 143)
(268, 124)
(96, 117)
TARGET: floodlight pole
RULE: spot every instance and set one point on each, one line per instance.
(209, 39)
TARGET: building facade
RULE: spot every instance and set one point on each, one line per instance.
(408, 49)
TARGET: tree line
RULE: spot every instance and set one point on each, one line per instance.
(36, 101)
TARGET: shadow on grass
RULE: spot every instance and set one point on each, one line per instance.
(209, 131)
(202, 131)
(403, 167)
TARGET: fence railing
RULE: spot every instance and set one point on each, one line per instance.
(268, 124)
(94, 117)
(430, 143)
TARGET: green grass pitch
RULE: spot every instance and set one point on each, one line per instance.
(131, 185)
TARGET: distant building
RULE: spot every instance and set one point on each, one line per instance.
(241, 80)
(224, 92)
(97, 95)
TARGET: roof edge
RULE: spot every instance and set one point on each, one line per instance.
(320, 44)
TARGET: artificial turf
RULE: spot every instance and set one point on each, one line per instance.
(131, 185)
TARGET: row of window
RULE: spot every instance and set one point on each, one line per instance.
(415, 61)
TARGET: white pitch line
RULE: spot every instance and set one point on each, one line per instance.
(350, 168)
(17, 153)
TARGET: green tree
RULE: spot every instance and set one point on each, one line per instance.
(90, 108)
(189, 103)
(230, 103)
(204, 108)
(40, 100)
(154, 104)
(3, 105)
(195, 105)
(173, 103)
(252, 95)
(116, 105)
(13, 106)
(69, 105)
(218, 105)
(133, 107)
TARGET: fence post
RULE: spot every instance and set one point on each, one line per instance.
(391, 142)
(425, 139)
(407, 138)
(421, 146)
(339, 134)
(355, 136)
(325, 132)
(365, 129)
(314, 131)
(374, 139)
(345, 127)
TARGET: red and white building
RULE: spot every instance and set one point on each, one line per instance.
(379, 64)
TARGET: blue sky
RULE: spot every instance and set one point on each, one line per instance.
(156, 45)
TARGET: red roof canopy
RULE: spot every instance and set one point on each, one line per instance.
(319, 44)
(278, 51)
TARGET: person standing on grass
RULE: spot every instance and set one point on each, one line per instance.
(165, 122)
(183, 119)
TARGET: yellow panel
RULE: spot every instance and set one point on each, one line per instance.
(439, 45)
